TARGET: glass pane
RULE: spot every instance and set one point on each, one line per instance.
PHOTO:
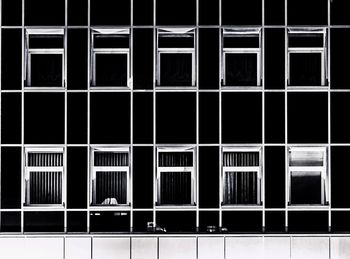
(173, 159)
(240, 69)
(111, 69)
(176, 69)
(241, 159)
(45, 188)
(240, 188)
(111, 41)
(306, 158)
(111, 159)
(46, 70)
(46, 41)
(305, 69)
(111, 188)
(175, 188)
(305, 188)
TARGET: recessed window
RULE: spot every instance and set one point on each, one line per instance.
(44, 58)
(176, 176)
(307, 176)
(110, 58)
(44, 174)
(110, 176)
(241, 176)
(176, 64)
(241, 57)
(307, 57)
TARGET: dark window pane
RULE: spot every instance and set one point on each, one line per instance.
(143, 12)
(177, 221)
(340, 221)
(274, 12)
(11, 12)
(305, 69)
(45, 188)
(274, 118)
(42, 12)
(11, 118)
(208, 12)
(109, 221)
(246, 12)
(44, 221)
(111, 188)
(208, 118)
(175, 188)
(10, 222)
(308, 221)
(111, 69)
(339, 12)
(45, 70)
(242, 221)
(208, 220)
(176, 69)
(181, 12)
(305, 188)
(311, 12)
(76, 221)
(110, 12)
(143, 118)
(78, 12)
(240, 69)
(45, 41)
(304, 40)
(275, 221)
(77, 118)
(140, 220)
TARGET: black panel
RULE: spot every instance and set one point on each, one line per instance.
(44, 118)
(340, 221)
(240, 69)
(143, 58)
(305, 69)
(246, 12)
(77, 174)
(10, 177)
(143, 12)
(177, 221)
(11, 118)
(175, 69)
(208, 118)
(143, 177)
(340, 54)
(307, 118)
(176, 118)
(143, 118)
(44, 221)
(241, 118)
(11, 59)
(76, 221)
(308, 221)
(78, 12)
(274, 177)
(340, 127)
(208, 58)
(10, 222)
(208, 219)
(109, 221)
(141, 218)
(209, 177)
(274, 118)
(208, 12)
(110, 12)
(339, 12)
(77, 118)
(11, 12)
(110, 118)
(305, 189)
(275, 221)
(274, 58)
(299, 12)
(41, 12)
(340, 177)
(274, 12)
(77, 55)
(45, 70)
(180, 12)
(242, 221)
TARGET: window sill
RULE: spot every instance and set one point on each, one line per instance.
(308, 207)
(243, 88)
(242, 207)
(166, 87)
(104, 88)
(307, 87)
(176, 207)
(48, 207)
(121, 207)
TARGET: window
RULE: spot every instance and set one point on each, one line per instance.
(44, 58)
(307, 57)
(44, 174)
(176, 64)
(110, 58)
(241, 176)
(241, 57)
(110, 176)
(307, 176)
(176, 176)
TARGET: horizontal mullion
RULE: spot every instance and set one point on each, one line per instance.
(111, 168)
(241, 168)
(44, 168)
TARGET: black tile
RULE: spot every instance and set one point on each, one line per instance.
(110, 12)
(44, 221)
(11, 118)
(41, 12)
(308, 221)
(246, 12)
(208, 118)
(274, 118)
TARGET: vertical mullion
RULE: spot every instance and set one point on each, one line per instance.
(64, 172)
(22, 122)
(89, 155)
(328, 152)
(155, 155)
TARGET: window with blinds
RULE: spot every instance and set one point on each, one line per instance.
(44, 177)
(110, 177)
(175, 178)
(308, 180)
(241, 173)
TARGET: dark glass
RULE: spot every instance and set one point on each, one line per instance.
(208, 12)
(176, 118)
(143, 118)
(305, 69)
(110, 13)
(10, 222)
(340, 221)
(240, 69)
(246, 12)
(340, 102)
(46, 41)
(241, 41)
(312, 40)
(52, 221)
(308, 221)
(143, 12)
(78, 12)
(109, 221)
(111, 69)
(111, 41)
(45, 70)
(177, 221)
(208, 118)
(76, 221)
(175, 69)
(242, 221)
(11, 12)
(181, 12)
(305, 188)
(339, 12)
(44, 118)
(299, 12)
(11, 118)
(307, 118)
(140, 220)
(274, 12)
(275, 221)
(274, 118)
(176, 41)
(41, 12)
(207, 219)
(110, 118)
(77, 118)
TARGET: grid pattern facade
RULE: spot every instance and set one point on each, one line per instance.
(271, 117)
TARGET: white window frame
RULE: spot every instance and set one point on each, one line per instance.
(229, 32)
(94, 169)
(28, 169)
(111, 51)
(311, 169)
(257, 169)
(191, 169)
(160, 51)
(307, 50)
(43, 51)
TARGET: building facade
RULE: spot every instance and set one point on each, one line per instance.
(187, 129)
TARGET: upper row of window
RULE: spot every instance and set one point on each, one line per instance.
(176, 62)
